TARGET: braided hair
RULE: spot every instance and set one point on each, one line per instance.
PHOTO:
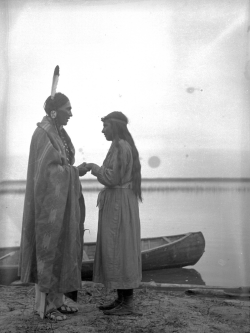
(119, 123)
(55, 103)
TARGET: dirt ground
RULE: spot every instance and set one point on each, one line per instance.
(156, 310)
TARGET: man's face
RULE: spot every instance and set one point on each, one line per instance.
(63, 114)
(107, 131)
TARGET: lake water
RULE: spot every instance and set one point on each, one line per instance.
(221, 210)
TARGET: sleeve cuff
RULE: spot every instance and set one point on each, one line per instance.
(95, 169)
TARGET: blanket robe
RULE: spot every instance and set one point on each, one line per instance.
(117, 261)
(52, 229)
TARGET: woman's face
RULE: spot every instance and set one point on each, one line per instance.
(107, 131)
(63, 114)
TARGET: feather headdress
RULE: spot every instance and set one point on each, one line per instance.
(54, 82)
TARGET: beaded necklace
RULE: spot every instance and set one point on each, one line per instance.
(66, 147)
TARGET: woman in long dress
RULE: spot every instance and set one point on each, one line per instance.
(117, 262)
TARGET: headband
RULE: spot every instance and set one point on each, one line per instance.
(113, 119)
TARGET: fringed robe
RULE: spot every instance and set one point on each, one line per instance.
(117, 261)
(54, 211)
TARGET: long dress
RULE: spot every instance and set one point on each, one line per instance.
(117, 262)
(52, 229)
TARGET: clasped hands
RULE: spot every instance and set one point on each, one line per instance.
(84, 168)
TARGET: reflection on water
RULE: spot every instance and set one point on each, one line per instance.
(186, 276)
(219, 209)
(174, 276)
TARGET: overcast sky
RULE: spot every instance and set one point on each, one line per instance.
(175, 68)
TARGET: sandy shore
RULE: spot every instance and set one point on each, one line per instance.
(158, 308)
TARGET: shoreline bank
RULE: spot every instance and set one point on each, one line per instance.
(157, 310)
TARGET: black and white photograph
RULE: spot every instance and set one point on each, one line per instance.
(125, 166)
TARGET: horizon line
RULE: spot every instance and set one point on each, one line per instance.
(147, 179)
(148, 184)
(163, 179)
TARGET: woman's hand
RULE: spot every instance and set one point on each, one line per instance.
(89, 166)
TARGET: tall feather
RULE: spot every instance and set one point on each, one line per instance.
(55, 82)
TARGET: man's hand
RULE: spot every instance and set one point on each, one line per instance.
(82, 169)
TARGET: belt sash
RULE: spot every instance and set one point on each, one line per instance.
(102, 193)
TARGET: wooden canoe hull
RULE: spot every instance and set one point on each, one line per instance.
(182, 252)
(157, 253)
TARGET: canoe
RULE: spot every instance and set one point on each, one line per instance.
(157, 253)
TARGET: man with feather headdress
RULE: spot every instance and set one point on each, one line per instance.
(54, 212)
